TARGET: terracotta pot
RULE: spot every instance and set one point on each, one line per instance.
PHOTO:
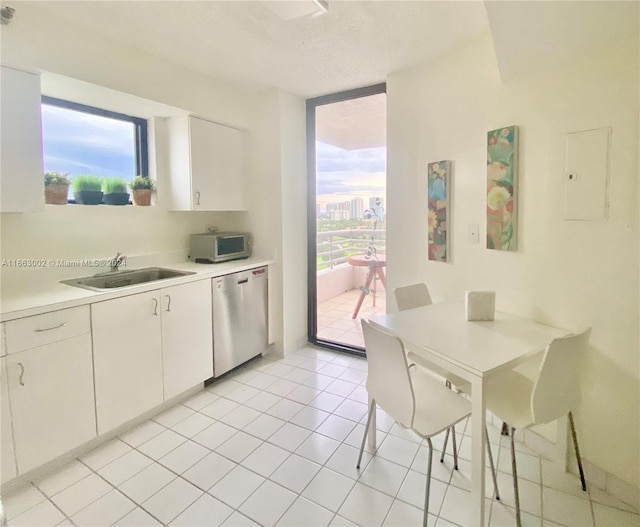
(142, 196)
(56, 194)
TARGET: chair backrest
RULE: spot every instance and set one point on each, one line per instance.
(388, 380)
(557, 390)
(410, 296)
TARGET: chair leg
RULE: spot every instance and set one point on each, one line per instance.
(426, 494)
(504, 431)
(455, 448)
(372, 409)
(444, 447)
(493, 467)
(447, 383)
(575, 446)
(515, 476)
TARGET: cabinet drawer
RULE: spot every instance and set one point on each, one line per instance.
(30, 332)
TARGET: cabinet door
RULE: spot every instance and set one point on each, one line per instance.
(52, 403)
(217, 166)
(127, 358)
(21, 137)
(7, 459)
(187, 338)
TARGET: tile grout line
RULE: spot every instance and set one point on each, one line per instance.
(245, 382)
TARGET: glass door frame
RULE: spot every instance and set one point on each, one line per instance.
(312, 294)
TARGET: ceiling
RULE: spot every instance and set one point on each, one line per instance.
(355, 44)
(354, 123)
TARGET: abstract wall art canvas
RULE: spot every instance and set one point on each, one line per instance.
(439, 215)
(502, 185)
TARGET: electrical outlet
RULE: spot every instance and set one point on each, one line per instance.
(474, 234)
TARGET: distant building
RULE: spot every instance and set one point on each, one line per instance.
(357, 208)
(339, 211)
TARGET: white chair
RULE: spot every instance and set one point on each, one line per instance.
(523, 403)
(417, 295)
(412, 398)
(410, 296)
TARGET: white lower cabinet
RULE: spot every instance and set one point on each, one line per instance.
(55, 395)
(187, 337)
(149, 348)
(7, 456)
(127, 358)
(52, 403)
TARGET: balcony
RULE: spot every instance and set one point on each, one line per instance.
(338, 285)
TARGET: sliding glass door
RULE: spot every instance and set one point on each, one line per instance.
(346, 153)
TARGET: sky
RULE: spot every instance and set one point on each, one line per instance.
(345, 174)
(82, 143)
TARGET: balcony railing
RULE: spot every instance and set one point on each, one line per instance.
(334, 247)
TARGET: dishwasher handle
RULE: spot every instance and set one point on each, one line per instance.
(245, 281)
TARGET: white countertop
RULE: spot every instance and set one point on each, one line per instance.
(33, 297)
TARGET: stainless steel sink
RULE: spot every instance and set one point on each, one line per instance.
(118, 279)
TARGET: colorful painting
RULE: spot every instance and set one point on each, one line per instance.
(502, 183)
(438, 191)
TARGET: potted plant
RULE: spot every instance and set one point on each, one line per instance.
(115, 191)
(141, 188)
(86, 189)
(56, 188)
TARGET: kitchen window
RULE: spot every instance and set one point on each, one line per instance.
(80, 139)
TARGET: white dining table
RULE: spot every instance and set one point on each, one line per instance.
(475, 351)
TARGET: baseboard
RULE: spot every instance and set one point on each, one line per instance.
(50, 466)
(596, 476)
(301, 342)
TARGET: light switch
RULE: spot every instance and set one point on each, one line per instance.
(474, 233)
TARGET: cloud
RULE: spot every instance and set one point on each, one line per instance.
(350, 171)
(62, 126)
(78, 143)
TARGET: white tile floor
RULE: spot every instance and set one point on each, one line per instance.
(276, 444)
(334, 316)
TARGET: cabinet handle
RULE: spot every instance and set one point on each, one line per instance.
(21, 373)
(197, 197)
(49, 329)
(168, 302)
(155, 307)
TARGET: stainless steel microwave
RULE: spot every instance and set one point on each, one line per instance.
(214, 247)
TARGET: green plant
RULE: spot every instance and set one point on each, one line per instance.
(140, 182)
(113, 185)
(85, 182)
(56, 178)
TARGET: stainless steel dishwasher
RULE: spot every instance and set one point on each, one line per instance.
(239, 318)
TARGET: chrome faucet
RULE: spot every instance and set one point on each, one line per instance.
(119, 260)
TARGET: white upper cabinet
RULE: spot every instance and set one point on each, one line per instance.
(22, 179)
(208, 165)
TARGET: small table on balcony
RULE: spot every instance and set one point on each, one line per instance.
(376, 267)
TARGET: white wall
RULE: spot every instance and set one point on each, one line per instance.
(62, 48)
(568, 274)
(294, 226)
(38, 42)
(277, 208)
(264, 218)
